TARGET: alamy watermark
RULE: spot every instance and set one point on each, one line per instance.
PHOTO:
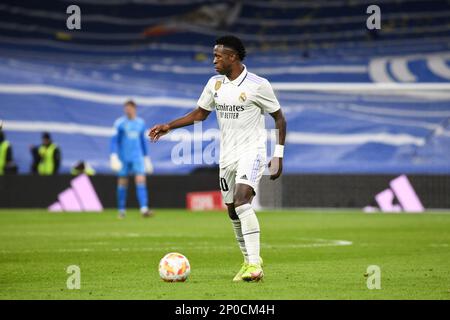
(373, 274)
(204, 146)
(374, 20)
(73, 22)
(74, 280)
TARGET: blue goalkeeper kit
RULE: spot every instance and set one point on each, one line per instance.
(130, 144)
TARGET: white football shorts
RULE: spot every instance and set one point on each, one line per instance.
(247, 170)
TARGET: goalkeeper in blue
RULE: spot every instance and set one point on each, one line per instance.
(129, 156)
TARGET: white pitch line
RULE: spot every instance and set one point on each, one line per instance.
(192, 245)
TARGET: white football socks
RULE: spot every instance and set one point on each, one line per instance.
(250, 231)
(240, 238)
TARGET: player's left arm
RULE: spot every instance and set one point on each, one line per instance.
(147, 161)
(144, 146)
(276, 164)
(269, 103)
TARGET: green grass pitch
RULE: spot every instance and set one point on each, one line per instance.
(307, 254)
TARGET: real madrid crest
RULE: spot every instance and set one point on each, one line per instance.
(242, 97)
(217, 85)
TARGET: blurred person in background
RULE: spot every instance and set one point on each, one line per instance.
(46, 157)
(129, 156)
(7, 164)
(82, 167)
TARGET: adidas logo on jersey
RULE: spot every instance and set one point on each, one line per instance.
(244, 177)
(215, 95)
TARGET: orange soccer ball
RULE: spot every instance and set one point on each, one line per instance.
(174, 267)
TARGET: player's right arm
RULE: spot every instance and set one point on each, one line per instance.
(115, 163)
(159, 130)
(205, 105)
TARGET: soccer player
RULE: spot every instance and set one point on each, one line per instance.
(240, 99)
(129, 156)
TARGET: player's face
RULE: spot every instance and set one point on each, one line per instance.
(223, 59)
(130, 111)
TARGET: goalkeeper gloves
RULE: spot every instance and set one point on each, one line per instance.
(116, 164)
(148, 165)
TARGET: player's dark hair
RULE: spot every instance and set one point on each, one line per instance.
(234, 43)
(131, 103)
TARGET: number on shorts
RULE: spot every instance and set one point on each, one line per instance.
(223, 184)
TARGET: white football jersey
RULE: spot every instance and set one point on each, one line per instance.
(240, 106)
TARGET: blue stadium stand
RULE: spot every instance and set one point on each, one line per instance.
(73, 83)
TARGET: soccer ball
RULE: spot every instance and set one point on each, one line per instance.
(174, 267)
